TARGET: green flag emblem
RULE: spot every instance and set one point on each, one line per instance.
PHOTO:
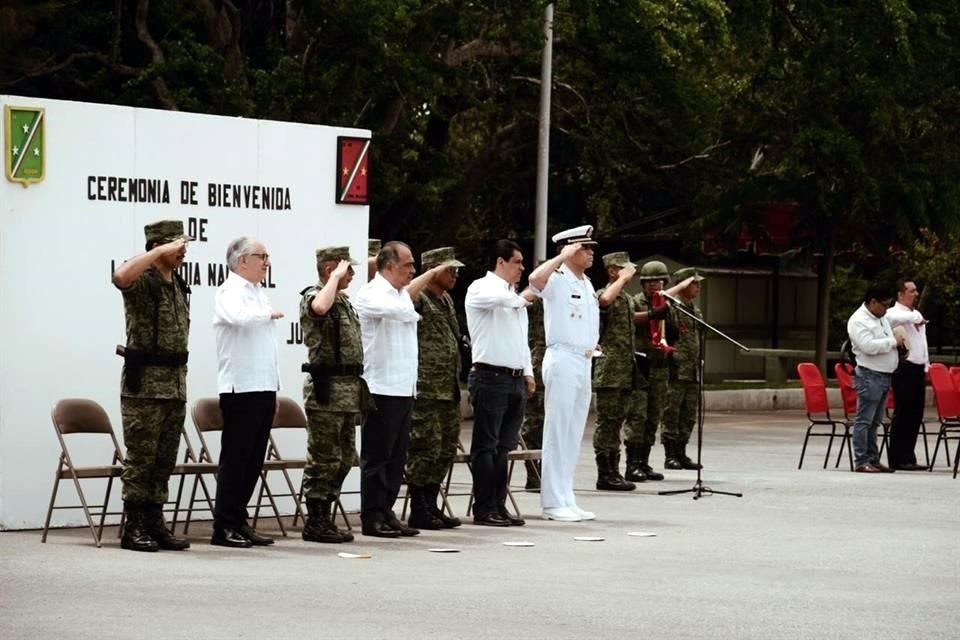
(24, 137)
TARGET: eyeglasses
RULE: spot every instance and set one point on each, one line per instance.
(262, 256)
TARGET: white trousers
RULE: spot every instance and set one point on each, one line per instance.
(566, 377)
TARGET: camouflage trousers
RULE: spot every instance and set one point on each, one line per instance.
(681, 412)
(532, 430)
(331, 452)
(645, 412)
(614, 406)
(151, 433)
(433, 440)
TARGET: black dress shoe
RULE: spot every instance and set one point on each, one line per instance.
(513, 521)
(394, 523)
(255, 538)
(379, 529)
(230, 538)
(491, 520)
(910, 466)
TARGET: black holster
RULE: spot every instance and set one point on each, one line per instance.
(321, 374)
(136, 360)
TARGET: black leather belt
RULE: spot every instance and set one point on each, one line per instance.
(480, 366)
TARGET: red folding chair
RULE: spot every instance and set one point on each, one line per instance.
(843, 371)
(818, 412)
(947, 400)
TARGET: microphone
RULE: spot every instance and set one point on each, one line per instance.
(670, 298)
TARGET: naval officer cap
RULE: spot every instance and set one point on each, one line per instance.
(444, 256)
(334, 254)
(617, 259)
(164, 231)
(580, 234)
(682, 274)
(373, 247)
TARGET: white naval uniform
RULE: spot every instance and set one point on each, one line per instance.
(571, 318)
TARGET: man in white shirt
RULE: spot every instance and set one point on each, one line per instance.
(388, 323)
(248, 378)
(571, 317)
(875, 348)
(500, 381)
(909, 380)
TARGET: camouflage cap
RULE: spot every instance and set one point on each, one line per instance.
(682, 274)
(328, 254)
(164, 231)
(442, 256)
(617, 259)
(373, 247)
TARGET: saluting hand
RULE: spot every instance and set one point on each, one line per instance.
(627, 273)
(570, 249)
(341, 269)
(172, 248)
(276, 315)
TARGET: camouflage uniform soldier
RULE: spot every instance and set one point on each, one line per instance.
(684, 396)
(333, 393)
(436, 411)
(614, 373)
(533, 413)
(154, 381)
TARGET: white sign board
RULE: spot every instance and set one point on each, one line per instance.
(108, 171)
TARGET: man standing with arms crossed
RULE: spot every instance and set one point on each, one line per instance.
(909, 380)
(334, 394)
(571, 319)
(500, 382)
(154, 382)
(436, 411)
(248, 378)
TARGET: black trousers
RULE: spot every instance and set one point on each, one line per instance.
(498, 402)
(247, 418)
(384, 440)
(909, 393)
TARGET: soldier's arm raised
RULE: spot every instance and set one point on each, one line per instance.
(324, 299)
(128, 272)
(610, 294)
(421, 281)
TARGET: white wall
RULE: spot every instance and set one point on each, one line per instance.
(61, 318)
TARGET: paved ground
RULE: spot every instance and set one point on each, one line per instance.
(804, 554)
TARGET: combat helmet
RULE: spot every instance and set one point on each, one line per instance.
(654, 270)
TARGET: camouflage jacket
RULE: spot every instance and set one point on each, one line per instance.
(438, 338)
(655, 356)
(686, 355)
(151, 298)
(614, 370)
(536, 338)
(321, 335)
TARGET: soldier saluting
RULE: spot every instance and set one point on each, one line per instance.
(153, 392)
(334, 394)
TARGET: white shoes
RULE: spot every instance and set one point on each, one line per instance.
(584, 515)
(562, 514)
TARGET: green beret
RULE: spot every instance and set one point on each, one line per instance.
(373, 247)
(617, 259)
(682, 274)
(164, 231)
(442, 256)
(333, 254)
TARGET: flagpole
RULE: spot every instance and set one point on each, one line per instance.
(543, 147)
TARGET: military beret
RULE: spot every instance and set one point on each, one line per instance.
(617, 259)
(164, 231)
(328, 254)
(442, 256)
(682, 274)
(373, 247)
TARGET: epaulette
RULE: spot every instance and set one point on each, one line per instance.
(304, 292)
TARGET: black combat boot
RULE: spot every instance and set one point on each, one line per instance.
(420, 515)
(135, 536)
(671, 459)
(634, 471)
(319, 526)
(684, 460)
(154, 524)
(608, 473)
(431, 493)
(533, 475)
(645, 464)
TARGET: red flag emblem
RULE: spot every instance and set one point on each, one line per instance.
(353, 164)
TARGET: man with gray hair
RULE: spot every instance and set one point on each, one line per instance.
(248, 379)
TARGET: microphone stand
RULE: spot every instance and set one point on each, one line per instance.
(698, 488)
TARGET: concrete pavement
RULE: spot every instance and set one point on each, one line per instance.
(804, 554)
